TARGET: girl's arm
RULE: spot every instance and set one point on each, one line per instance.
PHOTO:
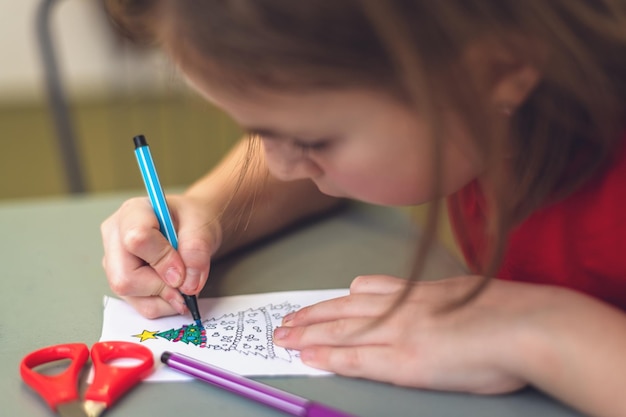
(575, 350)
(250, 203)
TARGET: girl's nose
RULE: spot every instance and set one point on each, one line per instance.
(288, 162)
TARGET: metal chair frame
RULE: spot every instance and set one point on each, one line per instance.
(57, 101)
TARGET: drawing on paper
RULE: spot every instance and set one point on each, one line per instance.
(249, 332)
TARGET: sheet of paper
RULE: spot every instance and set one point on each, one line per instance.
(237, 334)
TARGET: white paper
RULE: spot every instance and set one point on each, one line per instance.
(238, 333)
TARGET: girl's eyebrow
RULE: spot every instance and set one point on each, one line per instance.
(266, 133)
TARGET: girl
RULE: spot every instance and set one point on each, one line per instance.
(514, 111)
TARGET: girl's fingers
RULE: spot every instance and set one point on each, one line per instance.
(370, 295)
(128, 275)
(168, 303)
(196, 254)
(130, 278)
(387, 364)
(143, 267)
(151, 247)
(138, 234)
(356, 305)
(340, 332)
(377, 284)
(379, 363)
(187, 268)
(144, 283)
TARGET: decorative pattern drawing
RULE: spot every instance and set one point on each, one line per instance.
(249, 332)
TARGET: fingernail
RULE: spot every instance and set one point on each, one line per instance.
(289, 318)
(281, 333)
(192, 279)
(173, 277)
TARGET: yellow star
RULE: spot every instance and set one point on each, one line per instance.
(145, 335)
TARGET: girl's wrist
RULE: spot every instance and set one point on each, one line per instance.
(529, 351)
(572, 348)
(542, 340)
(532, 352)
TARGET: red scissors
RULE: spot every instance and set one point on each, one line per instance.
(109, 383)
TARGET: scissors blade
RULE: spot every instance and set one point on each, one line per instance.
(71, 409)
(94, 408)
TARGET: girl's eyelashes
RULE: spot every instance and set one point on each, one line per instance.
(299, 143)
(310, 145)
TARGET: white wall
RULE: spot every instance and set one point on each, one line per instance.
(92, 61)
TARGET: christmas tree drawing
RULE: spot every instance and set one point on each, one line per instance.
(186, 334)
(249, 332)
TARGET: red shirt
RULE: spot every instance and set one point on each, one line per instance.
(578, 242)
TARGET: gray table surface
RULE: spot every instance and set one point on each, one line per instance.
(53, 283)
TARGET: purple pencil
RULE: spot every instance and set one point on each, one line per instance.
(248, 388)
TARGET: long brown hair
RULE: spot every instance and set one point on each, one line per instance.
(414, 49)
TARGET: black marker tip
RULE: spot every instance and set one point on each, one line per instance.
(192, 304)
(165, 356)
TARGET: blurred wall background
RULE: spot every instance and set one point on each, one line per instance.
(114, 91)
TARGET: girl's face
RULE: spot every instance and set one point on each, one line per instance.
(359, 143)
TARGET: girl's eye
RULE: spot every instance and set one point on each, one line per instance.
(310, 146)
(301, 144)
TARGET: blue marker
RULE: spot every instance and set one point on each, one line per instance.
(157, 199)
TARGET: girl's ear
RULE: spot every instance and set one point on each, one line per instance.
(511, 90)
(505, 79)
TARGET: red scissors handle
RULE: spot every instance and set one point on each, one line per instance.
(55, 389)
(111, 381)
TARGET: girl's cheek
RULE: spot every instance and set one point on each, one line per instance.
(277, 151)
(275, 167)
(274, 156)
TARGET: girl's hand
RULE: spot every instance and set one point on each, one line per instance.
(143, 268)
(469, 349)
